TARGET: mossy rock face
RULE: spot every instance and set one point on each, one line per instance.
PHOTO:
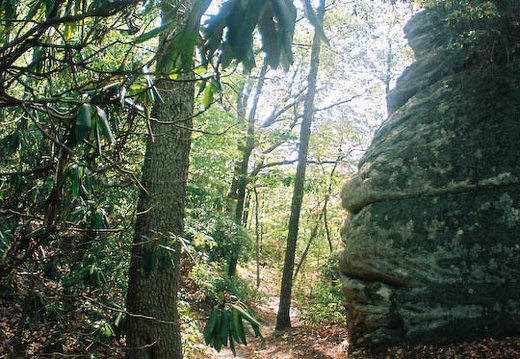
(432, 240)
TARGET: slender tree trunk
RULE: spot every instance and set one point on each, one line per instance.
(257, 237)
(241, 177)
(327, 199)
(153, 328)
(153, 323)
(314, 233)
(283, 320)
(249, 147)
(243, 94)
(326, 224)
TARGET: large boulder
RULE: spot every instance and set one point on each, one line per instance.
(432, 239)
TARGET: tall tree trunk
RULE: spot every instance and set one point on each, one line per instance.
(314, 233)
(257, 238)
(283, 319)
(153, 328)
(249, 147)
(241, 177)
(327, 199)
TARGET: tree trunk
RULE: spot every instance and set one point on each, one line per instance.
(314, 233)
(257, 238)
(239, 185)
(153, 328)
(283, 320)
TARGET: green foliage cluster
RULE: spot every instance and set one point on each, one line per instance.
(206, 284)
(210, 241)
(218, 236)
(205, 287)
(323, 301)
(71, 104)
(225, 325)
(275, 19)
(483, 31)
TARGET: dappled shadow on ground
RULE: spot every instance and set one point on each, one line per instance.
(329, 341)
(316, 342)
(508, 348)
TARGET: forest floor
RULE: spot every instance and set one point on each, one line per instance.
(329, 341)
(305, 340)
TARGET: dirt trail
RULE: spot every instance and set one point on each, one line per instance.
(298, 342)
(312, 342)
(328, 341)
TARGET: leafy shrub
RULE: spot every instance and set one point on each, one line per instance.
(206, 283)
(217, 235)
(207, 287)
(225, 325)
(190, 332)
(324, 301)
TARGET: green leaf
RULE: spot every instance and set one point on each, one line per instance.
(178, 53)
(224, 328)
(256, 329)
(270, 39)
(77, 172)
(213, 31)
(50, 9)
(232, 328)
(209, 329)
(239, 327)
(208, 96)
(69, 28)
(97, 220)
(239, 313)
(244, 314)
(15, 141)
(83, 122)
(241, 23)
(202, 86)
(9, 9)
(108, 331)
(119, 319)
(232, 345)
(214, 34)
(226, 56)
(217, 344)
(285, 13)
(105, 125)
(155, 32)
(87, 183)
(38, 59)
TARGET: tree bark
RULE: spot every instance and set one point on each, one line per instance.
(153, 328)
(283, 320)
(239, 186)
(314, 233)
(257, 238)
